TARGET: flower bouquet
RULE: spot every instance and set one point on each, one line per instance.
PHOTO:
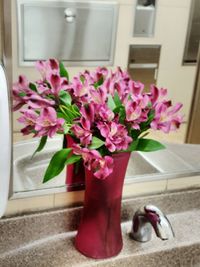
(107, 115)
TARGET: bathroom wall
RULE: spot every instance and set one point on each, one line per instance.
(170, 33)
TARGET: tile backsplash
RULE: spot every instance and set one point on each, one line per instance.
(68, 199)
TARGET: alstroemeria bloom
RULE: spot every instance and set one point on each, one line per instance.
(28, 118)
(136, 88)
(89, 156)
(93, 161)
(98, 95)
(88, 112)
(166, 117)
(47, 68)
(103, 113)
(115, 134)
(42, 88)
(47, 124)
(80, 90)
(20, 90)
(157, 95)
(83, 132)
(100, 72)
(36, 101)
(57, 83)
(136, 111)
(103, 167)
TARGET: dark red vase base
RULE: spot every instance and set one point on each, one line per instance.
(99, 233)
(97, 237)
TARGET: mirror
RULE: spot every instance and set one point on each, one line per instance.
(153, 58)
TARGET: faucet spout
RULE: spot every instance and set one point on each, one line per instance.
(149, 217)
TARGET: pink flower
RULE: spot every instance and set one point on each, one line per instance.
(88, 112)
(98, 95)
(83, 132)
(57, 83)
(47, 68)
(136, 88)
(93, 161)
(103, 167)
(28, 118)
(166, 117)
(79, 89)
(36, 101)
(92, 77)
(47, 124)
(157, 95)
(137, 111)
(20, 90)
(42, 88)
(101, 71)
(115, 134)
(103, 113)
(89, 156)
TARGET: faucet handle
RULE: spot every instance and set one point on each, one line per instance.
(147, 217)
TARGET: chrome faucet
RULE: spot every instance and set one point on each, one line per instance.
(149, 217)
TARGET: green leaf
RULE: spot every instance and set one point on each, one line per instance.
(96, 143)
(65, 97)
(60, 115)
(41, 145)
(66, 128)
(133, 145)
(75, 109)
(122, 115)
(99, 82)
(72, 159)
(22, 94)
(117, 99)
(146, 125)
(148, 145)
(111, 103)
(63, 71)
(33, 87)
(151, 116)
(117, 109)
(56, 164)
(67, 112)
(82, 78)
(135, 133)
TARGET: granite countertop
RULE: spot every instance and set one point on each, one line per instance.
(46, 239)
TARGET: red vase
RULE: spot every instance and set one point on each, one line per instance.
(99, 233)
(75, 175)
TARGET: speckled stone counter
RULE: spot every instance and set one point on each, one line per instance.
(46, 239)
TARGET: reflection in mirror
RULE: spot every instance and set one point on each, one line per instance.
(143, 63)
(193, 34)
(153, 59)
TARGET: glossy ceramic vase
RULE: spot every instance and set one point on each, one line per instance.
(99, 233)
(75, 173)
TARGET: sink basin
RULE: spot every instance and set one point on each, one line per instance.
(138, 165)
(29, 171)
